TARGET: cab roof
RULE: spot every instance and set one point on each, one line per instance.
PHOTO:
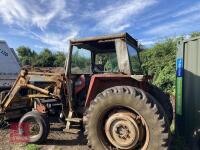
(110, 37)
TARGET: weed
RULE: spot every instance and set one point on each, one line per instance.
(32, 147)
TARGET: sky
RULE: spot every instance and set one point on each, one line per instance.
(51, 24)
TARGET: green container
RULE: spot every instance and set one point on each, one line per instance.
(188, 91)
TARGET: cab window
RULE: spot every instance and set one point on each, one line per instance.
(134, 59)
(81, 60)
(106, 62)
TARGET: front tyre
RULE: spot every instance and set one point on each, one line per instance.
(124, 118)
(38, 126)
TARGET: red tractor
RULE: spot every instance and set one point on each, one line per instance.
(104, 88)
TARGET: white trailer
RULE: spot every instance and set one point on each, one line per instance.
(9, 66)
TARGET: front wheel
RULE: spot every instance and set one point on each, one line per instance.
(124, 118)
(38, 126)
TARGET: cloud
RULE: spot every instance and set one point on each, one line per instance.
(12, 9)
(192, 9)
(56, 41)
(26, 17)
(116, 17)
(52, 23)
(147, 42)
(179, 22)
(178, 26)
(31, 13)
(39, 46)
(167, 14)
(56, 7)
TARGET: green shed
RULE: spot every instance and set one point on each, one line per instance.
(188, 91)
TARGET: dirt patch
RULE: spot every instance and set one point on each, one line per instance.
(57, 140)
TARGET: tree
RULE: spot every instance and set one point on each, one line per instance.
(159, 61)
(60, 58)
(46, 58)
(194, 34)
(26, 56)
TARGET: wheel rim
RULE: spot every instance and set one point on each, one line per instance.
(122, 130)
(126, 129)
(33, 128)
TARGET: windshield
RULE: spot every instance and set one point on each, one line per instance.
(134, 60)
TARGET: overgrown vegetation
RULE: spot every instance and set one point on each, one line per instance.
(45, 58)
(159, 61)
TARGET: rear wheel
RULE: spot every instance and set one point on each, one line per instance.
(124, 118)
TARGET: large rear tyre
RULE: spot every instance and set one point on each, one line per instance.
(124, 118)
(38, 126)
(164, 100)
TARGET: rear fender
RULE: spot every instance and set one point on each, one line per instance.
(100, 82)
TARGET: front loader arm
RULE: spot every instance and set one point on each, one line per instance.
(23, 81)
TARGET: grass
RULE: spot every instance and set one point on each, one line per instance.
(32, 147)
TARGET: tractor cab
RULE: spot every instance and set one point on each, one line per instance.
(100, 57)
(104, 54)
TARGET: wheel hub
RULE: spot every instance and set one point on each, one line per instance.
(122, 130)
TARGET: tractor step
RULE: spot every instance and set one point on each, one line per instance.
(70, 128)
(73, 131)
(77, 120)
